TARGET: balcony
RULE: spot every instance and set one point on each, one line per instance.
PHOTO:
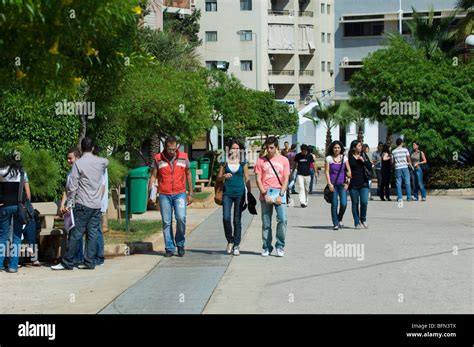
(305, 13)
(177, 6)
(281, 16)
(281, 76)
(306, 72)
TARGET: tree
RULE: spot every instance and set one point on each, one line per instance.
(399, 76)
(332, 116)
(185, 25)
(465, 26)
(157, 100)
(432, 34)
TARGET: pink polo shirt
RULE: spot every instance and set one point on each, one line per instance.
(264, 169)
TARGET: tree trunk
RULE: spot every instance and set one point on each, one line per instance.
(82, 129)
(328, 139)
(154, 146)
(388, 138)
(360, 134)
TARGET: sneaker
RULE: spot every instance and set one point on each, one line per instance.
(12, 271)
(280, 252)
(59, 267)
(2, 269)
(265, 253)
(341, 225)
(358, 226)
(169, 254)
(181, 251)
(423, 199)
(415, 199)
(304, 206)
(365, 225)
(85, 267)
(228, 250)
(336, 227)
(237, 250)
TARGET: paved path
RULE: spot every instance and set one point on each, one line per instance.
(417, 259)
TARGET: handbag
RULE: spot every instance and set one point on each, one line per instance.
(424, 167)
(25, 210)
(219, 191)
(327, 190)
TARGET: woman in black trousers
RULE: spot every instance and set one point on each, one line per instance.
(385, 173)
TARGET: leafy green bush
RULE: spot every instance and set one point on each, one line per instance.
(117, 172)
(447, 177)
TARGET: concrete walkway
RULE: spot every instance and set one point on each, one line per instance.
(415, 259)
(41, 290)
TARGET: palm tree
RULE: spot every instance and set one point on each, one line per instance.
(431, 35)
(332, 116)
(465, 26)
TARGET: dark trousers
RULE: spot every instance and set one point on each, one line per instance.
(385, 186)
(227, 202)
(86, 219)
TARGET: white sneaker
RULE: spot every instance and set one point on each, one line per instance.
(58, 267)
(237, 250)
(229, 248)
(265, 253)
(365, 225)
(280, 252)
(341, 225)
(336, 227)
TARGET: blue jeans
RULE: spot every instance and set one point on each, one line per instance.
(342, 194)
(29, 235)
(282, 221)
(6, 215)
(87, 221)
(418, 176)
(100, 246)
(168, 203)
(362, 195)
(227, 202)
(403, 174)
(79, 254)
(313, 178)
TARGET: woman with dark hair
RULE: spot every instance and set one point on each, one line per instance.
(338, 173)
(386, 167)
(361, 167)
(235, 173)
(418, 158)
(11, 177)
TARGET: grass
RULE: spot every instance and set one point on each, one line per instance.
(139, 231)
(201, 196)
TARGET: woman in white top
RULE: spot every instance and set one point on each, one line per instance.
(11, 171)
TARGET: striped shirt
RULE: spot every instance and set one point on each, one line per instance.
(400, 157)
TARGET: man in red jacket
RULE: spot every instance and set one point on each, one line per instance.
(172, 168)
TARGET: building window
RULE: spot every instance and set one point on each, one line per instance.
(329, 66)
(211, 6)
(323, 66)
(246, 5)
(246, 35)
(211, 64)
(322, 8)
(245, 65)
(328, 9)
(329, 38)
(363, 29)
(322, 37)
(211, 36)
(348, 74)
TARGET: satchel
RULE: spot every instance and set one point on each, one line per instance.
(25, 210)
(424, 167)
(219, 191)
(327, 190)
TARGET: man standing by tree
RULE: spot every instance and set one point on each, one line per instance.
(401, 159)
(172, 168)
(84, 195)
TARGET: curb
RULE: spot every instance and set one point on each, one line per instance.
(451, 192)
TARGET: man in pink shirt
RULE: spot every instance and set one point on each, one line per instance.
(272, 173)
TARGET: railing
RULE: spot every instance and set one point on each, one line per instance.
(282, 72)
(306, 72)
(280, 12)
(305, 13)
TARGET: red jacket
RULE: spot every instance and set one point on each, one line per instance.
(171, 178)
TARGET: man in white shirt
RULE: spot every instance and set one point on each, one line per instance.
(401, 159)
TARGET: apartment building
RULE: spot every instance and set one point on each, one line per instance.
(359, 25)
(156, 8)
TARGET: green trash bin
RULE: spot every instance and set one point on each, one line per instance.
(193, 169)
(138, 189)
(204, 164)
